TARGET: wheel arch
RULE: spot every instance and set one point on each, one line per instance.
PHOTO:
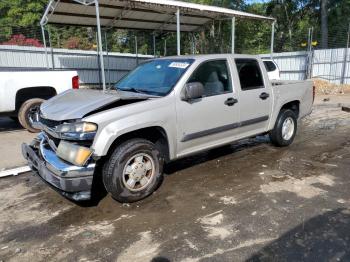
(24, 94)
(292, 105)
(155, 134)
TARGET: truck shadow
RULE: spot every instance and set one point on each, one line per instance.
(7, 124)
(212, 154)
(321, 238)
(99, 192)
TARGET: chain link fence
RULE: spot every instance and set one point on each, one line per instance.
(312, 57)
(300, 54)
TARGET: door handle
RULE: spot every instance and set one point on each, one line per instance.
(231, 101)
(264, 96)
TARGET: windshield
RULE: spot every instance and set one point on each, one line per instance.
(156, 77)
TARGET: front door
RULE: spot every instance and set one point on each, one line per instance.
(211, 120)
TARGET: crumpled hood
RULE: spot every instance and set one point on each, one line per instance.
(75, 104)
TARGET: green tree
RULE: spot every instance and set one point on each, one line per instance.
(20, 14)
(253, 36)
(338, 22)
(293, 19)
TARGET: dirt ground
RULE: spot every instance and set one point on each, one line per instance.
(246, 202)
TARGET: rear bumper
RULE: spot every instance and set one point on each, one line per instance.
(71, 181)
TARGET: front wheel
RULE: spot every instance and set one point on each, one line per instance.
(285, 128)
(133, 171)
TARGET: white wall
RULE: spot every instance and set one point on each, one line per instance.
(327, 64)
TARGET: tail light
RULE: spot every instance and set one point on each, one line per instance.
(313, 93)
(75, 82)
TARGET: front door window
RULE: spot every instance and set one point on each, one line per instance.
(214, 76)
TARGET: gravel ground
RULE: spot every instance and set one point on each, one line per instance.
(248, 201)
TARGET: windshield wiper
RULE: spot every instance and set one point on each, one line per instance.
(140, 91)
(132, 89)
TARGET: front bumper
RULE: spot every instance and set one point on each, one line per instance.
(73, 182)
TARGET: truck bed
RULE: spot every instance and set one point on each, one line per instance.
(286, 90)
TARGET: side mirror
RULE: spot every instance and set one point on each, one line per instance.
(193, 91)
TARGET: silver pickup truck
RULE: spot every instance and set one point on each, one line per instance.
(165, 109)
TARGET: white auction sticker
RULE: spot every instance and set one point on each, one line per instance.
(179, 65)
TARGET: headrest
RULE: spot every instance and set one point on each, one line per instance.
(213, 77)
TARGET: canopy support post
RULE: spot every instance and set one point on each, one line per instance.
(99, 39)
(136, 51)
(233, 35)
(178, 31)
(154, 44)
(193, 44)
(272, 38)
(51, 50)
(165, 53)
(45, 47)
(108, 66)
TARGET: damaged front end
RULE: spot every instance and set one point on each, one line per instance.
(62, 157)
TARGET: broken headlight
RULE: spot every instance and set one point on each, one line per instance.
(77, 131)
(77, 155)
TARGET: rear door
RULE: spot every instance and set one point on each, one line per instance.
(255, 99)
(213, 119)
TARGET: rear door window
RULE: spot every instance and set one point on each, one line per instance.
(270, 66)
(250, 75)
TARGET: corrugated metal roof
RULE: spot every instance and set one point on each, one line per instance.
(155, 15)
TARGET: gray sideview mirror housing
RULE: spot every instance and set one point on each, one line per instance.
(193, 91)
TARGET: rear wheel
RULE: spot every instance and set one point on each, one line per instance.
(27, 111)
(133, 171)
(285, 128)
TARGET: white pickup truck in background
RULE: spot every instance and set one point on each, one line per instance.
(22, 92)
(272, 69)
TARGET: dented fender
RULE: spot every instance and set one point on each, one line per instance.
(116, 122)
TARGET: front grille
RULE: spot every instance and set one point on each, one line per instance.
(48, 122)
(48, 127)
(55, 140)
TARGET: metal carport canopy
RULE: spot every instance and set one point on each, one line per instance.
(154, 15)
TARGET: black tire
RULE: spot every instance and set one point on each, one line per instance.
(276, 136)
(112, 174)
(26, 112)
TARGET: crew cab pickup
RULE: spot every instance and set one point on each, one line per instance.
(22, 92)
(165, 109)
